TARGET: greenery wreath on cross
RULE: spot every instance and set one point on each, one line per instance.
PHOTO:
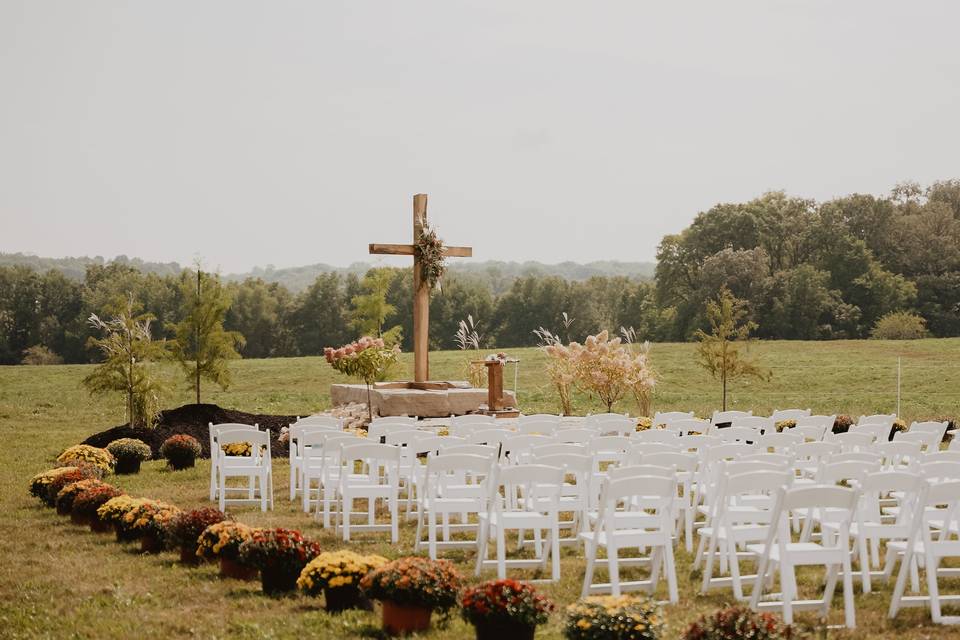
(433, 262)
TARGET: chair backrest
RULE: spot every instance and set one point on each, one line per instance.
(668, 417)
(485, 450)
(608, 424)
(214, 429)
(939, 470)
(538, 426)
(641, 493)
(898, 453)
(928, 440)
(427, 445)
(259, 443)
(826, 422)
(809, 432)
(408, 420)
(329, 421)
(658, 435)
(865, 457)
(489, 436)
(880, 432)
(405, 437)
(538, 485)
(781, 460)
(689, 426)
(941, 456)
(317, 444)
(380, 427)
(581, 436)
(727, 451)
(448, 469)
(835, 472)
(737, 434)
(815, 450)
(789, 414)
(642, 471)
(471, 419)
(375, 458)
(851, 440)
(738, 466)
(720, 417)
(685, 462)
(779, 442)
(539, 417)
(936, 431)
(875, 486)
(757, 423)
(699, 443)
(878, 418)
(519, 445)
(638, 449)
(819, 496)
(557, 448)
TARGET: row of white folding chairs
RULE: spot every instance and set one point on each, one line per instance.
(295, 431)
(256, 468)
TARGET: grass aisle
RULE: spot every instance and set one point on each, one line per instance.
(58, 580)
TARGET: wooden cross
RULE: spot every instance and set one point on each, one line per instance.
(421, 292)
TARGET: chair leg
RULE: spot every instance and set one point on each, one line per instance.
(708, 566)
(501, 553)
(394, 519)
(734, 563)
(864, 564)
(432, 535)
(555, 550)
(901, 584)
(849, 608)
(932, 587)
(344, 510)
(613, 566)
(671, 570)
(788, 588)
(591, 552)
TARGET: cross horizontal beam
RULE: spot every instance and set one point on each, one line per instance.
(408, 250)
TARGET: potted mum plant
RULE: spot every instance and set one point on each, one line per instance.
(505, 609)
(81, 454)
(69, 493)
(113, 511)
(184, 529)
(222, 541)
(180, 451)
(337, 575)
(410, 589)
(738, 622)
(129, 453)
(87, 502)
(47, 485)
(280, 555)
(148, 522)
(625, 617)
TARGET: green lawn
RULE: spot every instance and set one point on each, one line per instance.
(57, 580)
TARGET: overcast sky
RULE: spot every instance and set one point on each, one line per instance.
(288, 133)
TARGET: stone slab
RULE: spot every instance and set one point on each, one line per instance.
(413, 402)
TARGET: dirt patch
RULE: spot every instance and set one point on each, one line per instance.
(194, 420)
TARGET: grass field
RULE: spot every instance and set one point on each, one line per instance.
(59, 581)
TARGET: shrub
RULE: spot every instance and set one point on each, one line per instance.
(283, 550)
(185, 527)
(88, 502)
(614, 618)
(415, 581)
(180, 450)
(223, 539)
(334, 569)
(47, 485)
(68, 494)
(129, 449)
(505, 601)
(101, 459)
(40, 355)
(899, 325)
(738, 622)
(842, 424)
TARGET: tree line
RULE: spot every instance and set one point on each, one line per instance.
(801, 269)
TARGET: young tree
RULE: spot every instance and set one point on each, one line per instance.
(371, 309)
(202, 346)
(719, 352)
(128, 349)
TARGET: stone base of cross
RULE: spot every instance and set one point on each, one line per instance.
(421, 292)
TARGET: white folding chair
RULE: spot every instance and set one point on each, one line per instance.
(737, 434)
(295, 454)
(574, 493)
(784, 442)
(213, 430)
(780, 553)
(522, 497)
(929, 441)
(317, 448)
(580, 435)
(899, 454)
(689, 426)
(852, 441)
(932, 544)
(658, 435)
(516, 448)
(453, 484)
(611, 424)
(635, 512)
(368, 471)
(380, 427)
(757, 423)
(255, 468)
(742, 514)
(684, 466)
(880, 432)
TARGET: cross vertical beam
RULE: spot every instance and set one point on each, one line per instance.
(421, 300)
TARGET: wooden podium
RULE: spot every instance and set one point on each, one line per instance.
(495, 391)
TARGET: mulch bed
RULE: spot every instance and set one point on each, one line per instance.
(193, 419)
